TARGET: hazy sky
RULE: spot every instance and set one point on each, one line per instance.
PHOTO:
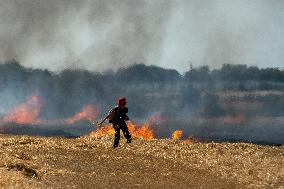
(108, 34)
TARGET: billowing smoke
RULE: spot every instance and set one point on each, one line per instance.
(108, 34)
(212, 33)
(96, 35)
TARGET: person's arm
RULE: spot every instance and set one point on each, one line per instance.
(109, 114)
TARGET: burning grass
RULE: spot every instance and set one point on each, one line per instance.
(90, 162)
(25, 113)
(28, 113)
(177, 135)
(137, 131)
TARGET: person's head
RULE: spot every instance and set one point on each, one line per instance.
(121, 101)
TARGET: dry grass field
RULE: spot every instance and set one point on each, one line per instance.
(88, 162)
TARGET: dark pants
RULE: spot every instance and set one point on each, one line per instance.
(117, 126)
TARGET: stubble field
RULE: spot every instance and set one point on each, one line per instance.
(87, 162)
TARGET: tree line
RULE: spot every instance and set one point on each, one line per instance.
(149, 88)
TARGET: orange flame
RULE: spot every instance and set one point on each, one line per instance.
(89, 112)
(189, 140)
(177, 135)
(144, 132)
(106, 130)
(25, 113)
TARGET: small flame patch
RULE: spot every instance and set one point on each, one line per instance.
(177, 135)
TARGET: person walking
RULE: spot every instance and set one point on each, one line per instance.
(117, 117)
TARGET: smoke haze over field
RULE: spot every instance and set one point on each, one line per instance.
(235, 102)
(108, 34)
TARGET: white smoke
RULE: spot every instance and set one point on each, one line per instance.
(95, 35)
(108, 34)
